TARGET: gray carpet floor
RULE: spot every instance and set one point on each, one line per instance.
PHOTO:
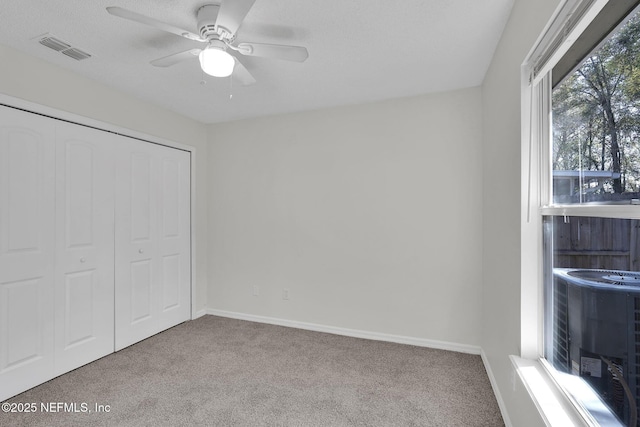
(215, 371)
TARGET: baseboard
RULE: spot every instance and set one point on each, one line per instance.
(200, 313)
(419, 342)
(496, 391)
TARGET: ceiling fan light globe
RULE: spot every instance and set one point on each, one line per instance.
(216, 62)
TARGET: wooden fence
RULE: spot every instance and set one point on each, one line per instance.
(603, 243)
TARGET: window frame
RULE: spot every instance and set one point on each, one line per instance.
(569, 21)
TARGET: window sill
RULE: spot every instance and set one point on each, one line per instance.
(554, 405)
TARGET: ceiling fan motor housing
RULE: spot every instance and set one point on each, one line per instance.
(207, 28)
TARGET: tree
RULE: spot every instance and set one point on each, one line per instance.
(597, 108)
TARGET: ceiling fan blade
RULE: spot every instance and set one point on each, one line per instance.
(232, 13)
(241, 75)
(167, 61)
(136, 17)
(277, 51)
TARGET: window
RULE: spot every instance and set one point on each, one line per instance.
(596, 123)
(593, 308)
(581, 150)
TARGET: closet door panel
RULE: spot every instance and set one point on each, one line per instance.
(153, 261)
(175, 246)
(141, 292)
(142, 240)
(85, 246)
(137, 266)
(26, 250)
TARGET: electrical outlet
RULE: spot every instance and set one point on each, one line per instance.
(256, 291)
(285, 294)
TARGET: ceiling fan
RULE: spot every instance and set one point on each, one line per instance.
(217, 27)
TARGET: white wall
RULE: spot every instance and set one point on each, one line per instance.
(34, 80)
(399, 217)
(501, 198)
(370, 215)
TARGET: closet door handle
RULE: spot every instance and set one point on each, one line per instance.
(83, 259)
(140, 251)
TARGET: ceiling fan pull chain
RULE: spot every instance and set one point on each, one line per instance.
(204, 79)
(230, 88)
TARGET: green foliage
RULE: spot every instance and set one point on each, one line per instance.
(596, 111)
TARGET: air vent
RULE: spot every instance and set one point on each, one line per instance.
(76, 54)
(61, 46)
(54, 43)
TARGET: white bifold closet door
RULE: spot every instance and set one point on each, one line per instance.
(94, 245)
(153, 240)
(27, 250)
(84, 283)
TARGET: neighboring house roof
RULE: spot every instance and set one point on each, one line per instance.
(586, 174)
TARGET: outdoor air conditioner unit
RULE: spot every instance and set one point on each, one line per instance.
(596, 333)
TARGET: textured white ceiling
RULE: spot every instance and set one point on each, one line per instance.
(359, 50)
